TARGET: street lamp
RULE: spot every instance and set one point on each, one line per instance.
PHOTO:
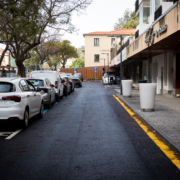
(104, 64)
(120, 43)
(108, 64)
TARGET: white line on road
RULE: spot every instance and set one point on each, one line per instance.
(13, 134)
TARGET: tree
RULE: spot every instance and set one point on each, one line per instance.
(78, 63)
(125, 19)
(128, 21)
(66, 51)
(23, 22)
(46, 49)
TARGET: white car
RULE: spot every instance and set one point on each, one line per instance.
(54, 78)
(19, 100)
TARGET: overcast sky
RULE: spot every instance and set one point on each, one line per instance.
(101, 15)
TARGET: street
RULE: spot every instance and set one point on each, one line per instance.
(88, 135)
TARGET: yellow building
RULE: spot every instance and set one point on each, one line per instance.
(99, 42)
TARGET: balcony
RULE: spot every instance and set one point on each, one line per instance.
(136, 5)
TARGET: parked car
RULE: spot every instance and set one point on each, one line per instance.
(67, 86)
(71, 83)
(54, 78)
(77, 81)
(79, 75)
(112, 79)
(68, 74)
(47, 90)
(19, 100)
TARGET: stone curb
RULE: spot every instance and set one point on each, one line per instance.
(170, 142)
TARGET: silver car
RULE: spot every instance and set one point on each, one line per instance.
(19, 100)
(47, 90)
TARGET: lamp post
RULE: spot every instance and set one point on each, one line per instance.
(104, 64)
(108, 64)
(120, 43)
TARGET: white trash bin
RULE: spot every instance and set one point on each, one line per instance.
(127, 88)
(147, 96)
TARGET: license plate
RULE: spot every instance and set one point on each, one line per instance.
(5, 103)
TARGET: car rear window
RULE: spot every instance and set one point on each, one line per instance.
(50, 76)
(74, 77)
(6, 87)
(36, 82)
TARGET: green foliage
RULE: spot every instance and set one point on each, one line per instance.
(128, 21)
(99, 78)
(78, 63)
(66, 51)
(91, 78)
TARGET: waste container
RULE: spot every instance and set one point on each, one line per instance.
(127, 87)
(147, 96)
(142, 81)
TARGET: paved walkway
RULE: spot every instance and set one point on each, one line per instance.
(165, 119)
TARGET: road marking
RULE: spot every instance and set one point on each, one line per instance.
(5, 133)
(13, 134)
(45, 111)
(105, 86)
(167, 151)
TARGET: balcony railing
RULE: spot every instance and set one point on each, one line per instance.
(136, 5)
(158, 13)
(137, 34)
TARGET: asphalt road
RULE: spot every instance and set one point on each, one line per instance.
(86, 136)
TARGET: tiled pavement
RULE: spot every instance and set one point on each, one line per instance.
(165, 119)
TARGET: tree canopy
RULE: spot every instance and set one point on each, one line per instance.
(128, 21)
(78, 63)
(23, 23)
(66, 51)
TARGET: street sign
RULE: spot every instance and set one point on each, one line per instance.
(95, 69)
(26, 72)
(75, 69)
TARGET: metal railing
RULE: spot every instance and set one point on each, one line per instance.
(158, 13)
(136, 5)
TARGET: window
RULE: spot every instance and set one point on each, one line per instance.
(31, 87)
(112, 41)
(96, 41)
(23, 85)
(6, 87)
(96, 58)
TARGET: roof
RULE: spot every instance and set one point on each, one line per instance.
(116, 32)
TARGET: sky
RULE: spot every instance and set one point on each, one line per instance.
(101, 15)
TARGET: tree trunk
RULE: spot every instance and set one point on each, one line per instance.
(21, 68)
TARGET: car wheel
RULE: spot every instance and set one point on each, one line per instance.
(49, 104)
(57, 97)
(40, 115)
(26, 119)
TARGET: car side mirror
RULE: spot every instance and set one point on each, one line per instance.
(38, 89)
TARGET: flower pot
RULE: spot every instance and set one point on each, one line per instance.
(127, 88)
(147, 96)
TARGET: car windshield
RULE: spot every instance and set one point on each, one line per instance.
(6, 87)
(50, 76)
(77, 74)
(36, 82)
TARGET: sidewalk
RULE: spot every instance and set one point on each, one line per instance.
(165, 119)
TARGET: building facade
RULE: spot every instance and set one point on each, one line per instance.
(98, 46)
(154, 54)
